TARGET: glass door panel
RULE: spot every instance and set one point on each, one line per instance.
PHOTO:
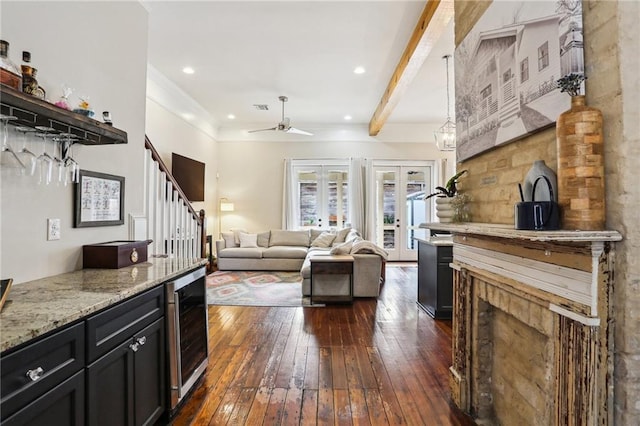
(400, 208)
(322, 196)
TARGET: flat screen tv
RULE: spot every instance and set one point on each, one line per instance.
(190, 176)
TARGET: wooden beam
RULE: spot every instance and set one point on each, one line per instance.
(432, 23)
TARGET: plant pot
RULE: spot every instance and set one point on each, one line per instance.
(581, 167)
(444, 209)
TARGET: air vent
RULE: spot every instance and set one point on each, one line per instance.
(261, 107)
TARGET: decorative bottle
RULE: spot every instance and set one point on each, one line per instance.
(581, 167)
(10, 74)
(29, 82)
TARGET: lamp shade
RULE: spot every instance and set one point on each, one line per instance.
(226, 206)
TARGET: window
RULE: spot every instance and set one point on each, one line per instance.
(543, 56)
(486, 92)
(506, 76)
(524, 70)
(321, 198)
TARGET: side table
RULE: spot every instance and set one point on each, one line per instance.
(331, 279)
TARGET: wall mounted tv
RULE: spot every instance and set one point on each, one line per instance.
(190, 176)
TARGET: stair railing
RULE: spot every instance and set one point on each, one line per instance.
(176, 229)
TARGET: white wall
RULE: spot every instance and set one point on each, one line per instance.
(251, 173)
(99, 49)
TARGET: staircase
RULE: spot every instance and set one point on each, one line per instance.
(174, 226)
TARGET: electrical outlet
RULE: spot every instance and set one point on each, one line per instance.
(53, 229)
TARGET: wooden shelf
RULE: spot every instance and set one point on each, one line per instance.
(33, 112)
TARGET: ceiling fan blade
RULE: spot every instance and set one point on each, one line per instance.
(262, 130)
(298, 131)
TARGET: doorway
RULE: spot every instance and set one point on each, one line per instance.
(398, 191)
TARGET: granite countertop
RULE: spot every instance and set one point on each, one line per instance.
(36, 307)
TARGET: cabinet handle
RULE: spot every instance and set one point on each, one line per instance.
(35, 374)
(134, 347)
(141, 340)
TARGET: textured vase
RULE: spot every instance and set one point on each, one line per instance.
(444, 209)
(581, 167)
(539, 168)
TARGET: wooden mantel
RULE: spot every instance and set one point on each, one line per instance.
(557, 282)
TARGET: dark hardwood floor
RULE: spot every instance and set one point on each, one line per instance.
(381, 361)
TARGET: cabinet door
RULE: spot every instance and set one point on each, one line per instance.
(110, 388)
(61, 406)
(149, 374)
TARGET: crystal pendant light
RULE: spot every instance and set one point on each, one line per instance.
(446, 134)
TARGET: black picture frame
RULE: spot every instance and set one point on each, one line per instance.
(99, 200)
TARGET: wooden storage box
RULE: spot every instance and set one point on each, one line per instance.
(114, 254)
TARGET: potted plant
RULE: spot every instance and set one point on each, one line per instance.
(450, 188)
(571, 83)
(445, 208)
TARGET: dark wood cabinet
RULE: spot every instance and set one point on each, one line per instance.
(435, 278)
(62, 405)
(30, 372)
(107, 369)
(126, 386)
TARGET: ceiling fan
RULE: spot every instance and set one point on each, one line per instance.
(284, 126)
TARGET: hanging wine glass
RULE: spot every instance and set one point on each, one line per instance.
(28, 158)
(58, 162)
(45, 160)
(10, 158)
(72, 168)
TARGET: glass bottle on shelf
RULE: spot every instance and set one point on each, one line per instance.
(10, 74)
(29, 81)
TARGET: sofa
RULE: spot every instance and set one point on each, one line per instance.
(283, 250)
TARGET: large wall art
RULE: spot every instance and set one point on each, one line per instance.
(506, 70)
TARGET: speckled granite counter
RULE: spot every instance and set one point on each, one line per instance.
(39, 306)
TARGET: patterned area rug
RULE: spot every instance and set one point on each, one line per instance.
(255, 288)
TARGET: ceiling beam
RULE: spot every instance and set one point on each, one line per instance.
(432, 23)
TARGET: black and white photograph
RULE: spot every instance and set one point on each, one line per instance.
(506, 71)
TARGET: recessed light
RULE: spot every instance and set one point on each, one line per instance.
(188, 116)
(347, 117)
(188, 70)
(231, 117)
(359, 70)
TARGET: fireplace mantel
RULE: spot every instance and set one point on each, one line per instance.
(557, 285)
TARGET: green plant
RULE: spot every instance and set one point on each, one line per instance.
(450, 189)
(570, 83)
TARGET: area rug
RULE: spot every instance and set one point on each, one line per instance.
(255, 288)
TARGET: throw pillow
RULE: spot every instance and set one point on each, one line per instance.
(263, 239)
(229, 239)
(315, 233)
(344, 248)
(341, 235)
(236, 234)
(248, 240)
(324, 240)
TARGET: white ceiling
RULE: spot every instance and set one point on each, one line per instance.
(247, 53)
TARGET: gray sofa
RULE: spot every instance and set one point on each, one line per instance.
(280, 250)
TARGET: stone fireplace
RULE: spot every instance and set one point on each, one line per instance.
(531, 334)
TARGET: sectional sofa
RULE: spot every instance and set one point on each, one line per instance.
(282, 250)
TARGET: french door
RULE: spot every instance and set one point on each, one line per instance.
(398, 191)
(321, 197)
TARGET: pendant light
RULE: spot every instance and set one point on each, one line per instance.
(446, 134)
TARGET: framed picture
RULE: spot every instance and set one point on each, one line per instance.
(507, 68)
(99, 200)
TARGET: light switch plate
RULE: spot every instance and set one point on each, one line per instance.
(53, 229)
